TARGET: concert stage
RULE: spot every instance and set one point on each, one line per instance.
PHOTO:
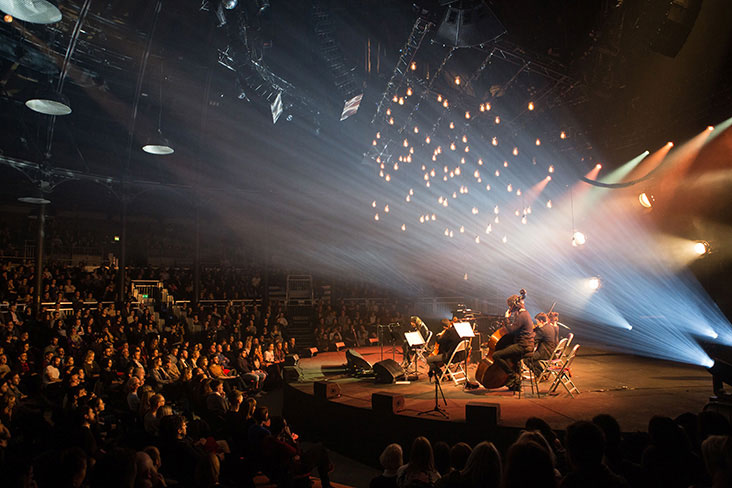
(631, 388)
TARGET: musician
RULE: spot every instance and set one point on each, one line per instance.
(415, 324)
(547, 337)
(447, 341)
(521, 327)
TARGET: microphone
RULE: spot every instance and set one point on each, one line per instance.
(568, 328)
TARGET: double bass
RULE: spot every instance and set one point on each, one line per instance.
(489, 374)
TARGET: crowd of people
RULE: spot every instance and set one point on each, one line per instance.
(689, 451)
(107, 395)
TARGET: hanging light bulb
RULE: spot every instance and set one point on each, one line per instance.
(421, 219)
(447, 232)
(409, 91)
(386, 208)
(497, 119)
(404, 227)
(457, 170)
(551, 168)
(475, 210)
(523, 219)
(401, 100)
(504, 239)
(480, 162)
(391, 120)
(477, 239)
(378, 135)
(538, 142)
(388, 177)
(427, 139)
(414, 65)
(376, 217)
(465, 138)
(497, 173)
(467, 115)
(462, 229)
(487, 107)
(416, 129)
(509, 188)
(531, 105)
(515, 151)
(549, 204)
(487, 187)
(562, 135)
(482, 107)
(505, 164)
(406, 143)
(488, 229)
(373, 204)
(518, 192)
(439, 98)
(457, 80)
(494, 141)
(496, 220)
(452, 125)
(444, 103)
(388, 111)
(452, 146)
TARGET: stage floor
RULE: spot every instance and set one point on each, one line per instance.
(629, 387)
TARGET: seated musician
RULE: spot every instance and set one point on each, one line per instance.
(447, 341)
(522, 328)
(415, 324)
(547, 337)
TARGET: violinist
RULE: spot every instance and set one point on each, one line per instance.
(447, 341)
(547, 336)
(521, 327)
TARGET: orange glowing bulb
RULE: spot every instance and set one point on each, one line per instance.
(598, 166)
(8, 18)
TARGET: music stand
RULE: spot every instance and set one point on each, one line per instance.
(414, 339)
(465, 331)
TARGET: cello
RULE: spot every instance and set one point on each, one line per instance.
(489, 374)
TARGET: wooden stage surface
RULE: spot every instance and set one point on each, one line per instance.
(629, 387)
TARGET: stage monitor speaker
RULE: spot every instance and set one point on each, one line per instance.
(326, 390)
(385, 402)
(355, 363)
(292, 374)
(310, 352)
(388, 371)
(484, 414)
(671, 24)
(292, 360)
(468, 24)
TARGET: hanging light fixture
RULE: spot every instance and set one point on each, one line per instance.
(33, 11)
(158, 144)
(49, 102)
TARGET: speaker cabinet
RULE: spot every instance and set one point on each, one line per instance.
(671, 22)
(388, 371)
(326, 390)
(310, 352)
(385, 402)
(292, 374)
(292, 360)
(483, 414)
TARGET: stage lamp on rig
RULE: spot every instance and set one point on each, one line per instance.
(593, 283)
(701, 248)
(646, 200)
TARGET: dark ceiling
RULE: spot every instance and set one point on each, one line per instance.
(591, 61)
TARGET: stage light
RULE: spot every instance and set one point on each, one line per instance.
(710, 128)
(439, 98)
(457, 80)
(497, 119)
(409, 91)
(645, 200)
(401, 100)
(578, 239)
(487, 187)
(562, 135)
(416, 129)
(391, 120)
(386, 208)
(531, 105)
(404, 227)
(482, 107)
(376, 217)
(538, 142)
(395, 99)
(406, 143)
(549, 204)
(462, 229)
(548, 178)
(505, 164)
(670, 144)
(504, 239)
(551, 169)
(477, 239)
(388, 111)
(452, 146)
(378, 135)
(593, 283)
(158, 145)
(414, 65)
(598, 166)
(701, 248)
(8, 18)
(509, 188)
(467, 115)
(445, 104)
(427, 139)
(388, 177)
(497, 173)
(494, 141)
(488, 229)
(487, 107)
(475, 210)
(515, 151)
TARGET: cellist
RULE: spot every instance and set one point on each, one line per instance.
(447, 341)
(521, 327)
